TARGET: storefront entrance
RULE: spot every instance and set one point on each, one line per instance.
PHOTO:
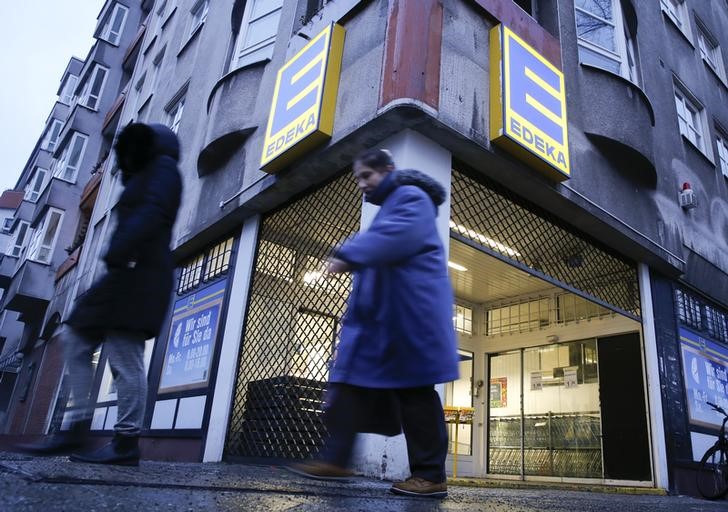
(552, 383)
(540, 311)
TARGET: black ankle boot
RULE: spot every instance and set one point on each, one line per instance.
(122, 451)
(61, 442)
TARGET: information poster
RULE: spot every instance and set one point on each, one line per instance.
(705, 373)
(570, 377)
(536, 381)
(191, 340)
(499, 392)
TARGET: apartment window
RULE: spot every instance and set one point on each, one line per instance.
(258, 30)
(198, 16)
(115, 25)
(605, 40)
(155, 71)
(94, 87)
(527, 5)
(138, 88)
(312, 7)
(69, 88)
(161, 15)
(710, 52)
(722, 143)
(52, 135)
(44, 237)
(690, 118)
(67, 167)
(175, 114)
(677, 12)
(7, 224)
(15, 248)
(35, 185)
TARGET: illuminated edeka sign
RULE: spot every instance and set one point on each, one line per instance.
(528, 105)
(304, 99)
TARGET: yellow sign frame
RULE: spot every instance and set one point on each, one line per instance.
(297, 133)
(514, 131)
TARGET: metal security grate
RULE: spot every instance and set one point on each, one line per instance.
(499, 224)
(291, 326)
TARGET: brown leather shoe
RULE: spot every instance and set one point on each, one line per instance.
(319, 470)
(415, 486)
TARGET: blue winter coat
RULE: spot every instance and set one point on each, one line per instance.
(398, 330)
(135, 293)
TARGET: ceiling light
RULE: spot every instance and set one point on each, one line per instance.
(484, 240)
(456, 266)
(312, 277)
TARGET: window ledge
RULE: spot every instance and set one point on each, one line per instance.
(224, 78)
(115, 45)
(628, 82)
(169, 17)
(151, 43)
(145, 103)
(715, 73)
(39, 262)
(677, 27)
(64, 180)
(192, 37)
(696, 149)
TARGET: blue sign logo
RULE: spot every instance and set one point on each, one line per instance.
(302, 113)
(528, 111)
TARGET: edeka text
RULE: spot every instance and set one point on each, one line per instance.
(537, 144)
(294, 133)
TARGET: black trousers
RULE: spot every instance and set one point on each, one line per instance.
(423, 423)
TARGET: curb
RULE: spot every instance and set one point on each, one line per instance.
(520, 484)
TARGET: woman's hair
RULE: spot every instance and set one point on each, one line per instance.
(375, 158)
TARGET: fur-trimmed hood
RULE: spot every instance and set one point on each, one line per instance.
(423, 181)
(401, 177)
(139, 143)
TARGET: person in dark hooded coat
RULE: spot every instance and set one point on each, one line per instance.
(397, 338)
(128, 304)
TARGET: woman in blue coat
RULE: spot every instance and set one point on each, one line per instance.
(397, 334)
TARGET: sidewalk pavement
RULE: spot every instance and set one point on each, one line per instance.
(56, 484)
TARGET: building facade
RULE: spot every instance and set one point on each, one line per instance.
(59, 184)
(584, 149)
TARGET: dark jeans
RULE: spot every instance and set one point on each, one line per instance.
(423, 424)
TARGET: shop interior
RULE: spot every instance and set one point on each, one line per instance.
(528, 401)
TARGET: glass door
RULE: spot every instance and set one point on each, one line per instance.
(562, 425)
(544, 415)
(459, 413)
(505, 422)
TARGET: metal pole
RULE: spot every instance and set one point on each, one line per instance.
(455, 453)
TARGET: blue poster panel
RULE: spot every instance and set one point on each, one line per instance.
(191, 339)
(705, 373)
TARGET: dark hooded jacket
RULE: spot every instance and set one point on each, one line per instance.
(135, 293)
(398, 331)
